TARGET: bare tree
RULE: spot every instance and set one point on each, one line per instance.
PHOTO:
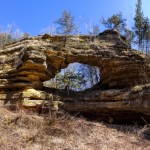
(91, 29)
(10, 34)
(66, 24)
(49, 30)
(88, 26)
(96, 30)
(17, 34)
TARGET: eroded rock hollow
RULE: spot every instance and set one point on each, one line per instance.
(123, 92)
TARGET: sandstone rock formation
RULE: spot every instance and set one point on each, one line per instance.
(122, 94)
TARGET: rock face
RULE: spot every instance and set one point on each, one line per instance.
(122, 93)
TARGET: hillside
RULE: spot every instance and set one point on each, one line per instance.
(120, 97)
(29, 131)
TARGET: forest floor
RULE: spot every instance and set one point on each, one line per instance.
(21, 130)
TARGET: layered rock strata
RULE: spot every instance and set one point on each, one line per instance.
(123, 91)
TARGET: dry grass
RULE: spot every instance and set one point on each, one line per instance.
(24, 131)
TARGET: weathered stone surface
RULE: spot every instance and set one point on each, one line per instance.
(123, 91)
(124, 104)
(115, 38)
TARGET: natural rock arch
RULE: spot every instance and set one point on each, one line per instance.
(77, 76)
(125, 73)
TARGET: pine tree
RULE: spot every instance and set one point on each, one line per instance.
(146, 33)
(66, 24)
(138, 25)
(129, 35)
(115, 22)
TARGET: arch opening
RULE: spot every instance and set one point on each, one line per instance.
(77, 77)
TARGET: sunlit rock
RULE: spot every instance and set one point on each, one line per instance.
(122, 93)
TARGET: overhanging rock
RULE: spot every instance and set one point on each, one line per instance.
(122, 93)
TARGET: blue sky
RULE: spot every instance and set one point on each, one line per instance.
(33, 15)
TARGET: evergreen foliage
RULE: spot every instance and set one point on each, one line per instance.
(138, 23)
(71, 78)
(129, 34)
(66, 23)
(115, 22)
(141, 28)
